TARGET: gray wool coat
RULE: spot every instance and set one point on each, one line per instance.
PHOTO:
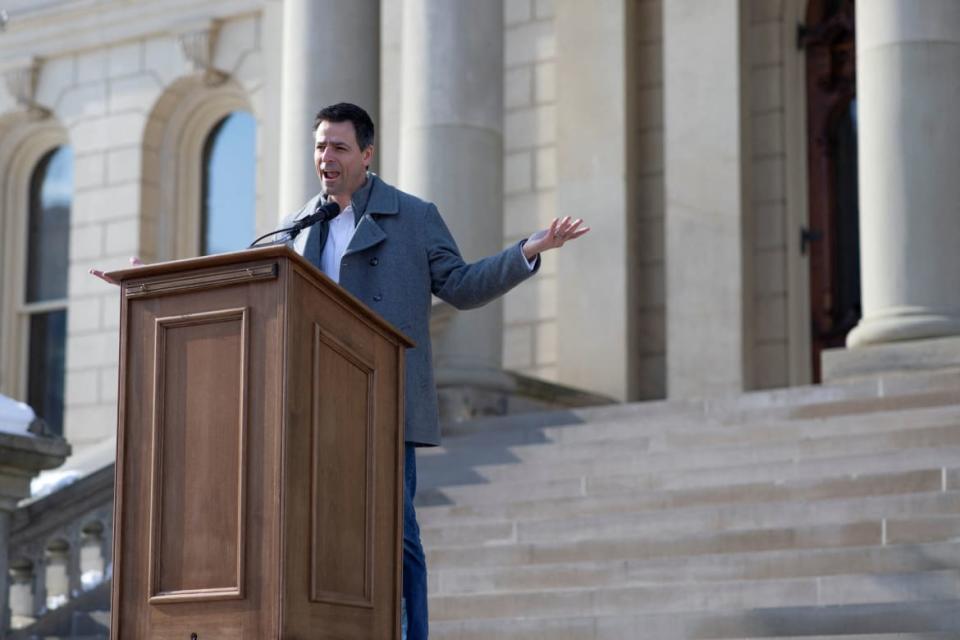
(401, 253)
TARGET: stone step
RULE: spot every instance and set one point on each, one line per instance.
(941, 616)
(781, 471)
(591, 504)
(449, 461)
(944, 433)
(882, 621)
(464, 464)
(719, 518)
(861, 397)
(862, 407)
(621, 460)
(693, 429)
(865, 636)
(627, 475)
(913, 530)
(788, 563)
(817, 591)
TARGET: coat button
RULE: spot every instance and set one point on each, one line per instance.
(377, 298)
(374, 261)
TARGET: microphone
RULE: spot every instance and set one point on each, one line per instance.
(322, 213)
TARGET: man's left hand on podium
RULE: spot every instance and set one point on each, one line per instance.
(134, 261)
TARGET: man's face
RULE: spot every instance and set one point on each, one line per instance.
(340, 163)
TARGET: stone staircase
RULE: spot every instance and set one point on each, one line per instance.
(818, 512)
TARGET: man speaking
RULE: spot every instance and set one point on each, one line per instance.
(393, 251)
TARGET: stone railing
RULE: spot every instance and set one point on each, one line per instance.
(60, 547)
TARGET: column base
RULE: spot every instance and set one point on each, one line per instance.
(931, 354)
(905, 323)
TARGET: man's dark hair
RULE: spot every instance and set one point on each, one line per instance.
(346, 112)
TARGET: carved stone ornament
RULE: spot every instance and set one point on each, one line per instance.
(198, 41)
(21, 81)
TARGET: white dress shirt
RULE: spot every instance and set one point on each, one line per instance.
(339, 234)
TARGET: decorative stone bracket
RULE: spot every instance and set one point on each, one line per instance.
(198, 41)
(20, 77)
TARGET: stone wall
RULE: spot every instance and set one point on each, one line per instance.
(765, 50)
(99, 97)
(105, 98)
(530, 180)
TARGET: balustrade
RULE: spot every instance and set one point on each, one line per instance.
(60, 547)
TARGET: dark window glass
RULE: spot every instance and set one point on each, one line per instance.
(48, 241)
(229, 185)
(48, 334)
(48, 232)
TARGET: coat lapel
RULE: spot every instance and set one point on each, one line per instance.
(368, 233)
(383, 202)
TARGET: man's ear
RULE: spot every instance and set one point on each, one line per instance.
(367, 155)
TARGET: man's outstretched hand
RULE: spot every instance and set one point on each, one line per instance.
(134, 261)
(560, 231)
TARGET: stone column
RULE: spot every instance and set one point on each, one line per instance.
(908, 89)
(331, 53)
(391, 90)
(594, 305)
(707, 214)
(451, 152)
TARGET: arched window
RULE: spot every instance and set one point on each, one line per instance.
(228, 207)
(45, 291)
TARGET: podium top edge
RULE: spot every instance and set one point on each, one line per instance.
(123, 276)
(214, 260)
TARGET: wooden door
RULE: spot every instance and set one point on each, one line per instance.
(831, 239)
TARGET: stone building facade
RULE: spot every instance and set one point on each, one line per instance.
(677, 128)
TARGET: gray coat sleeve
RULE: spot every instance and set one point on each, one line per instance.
(469, 285)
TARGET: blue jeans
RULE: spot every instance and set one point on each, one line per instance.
(414, 561)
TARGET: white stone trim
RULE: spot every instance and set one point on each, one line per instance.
(24, 140)
(78, 26)
(172, 171)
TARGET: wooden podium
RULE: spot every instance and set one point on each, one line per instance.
(259, 455)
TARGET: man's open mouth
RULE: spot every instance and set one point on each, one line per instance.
(330, 174)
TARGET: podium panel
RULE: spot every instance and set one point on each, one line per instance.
(201, 363)
(341, 439)
(341, 468)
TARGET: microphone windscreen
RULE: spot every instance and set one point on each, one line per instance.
(329, 211)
